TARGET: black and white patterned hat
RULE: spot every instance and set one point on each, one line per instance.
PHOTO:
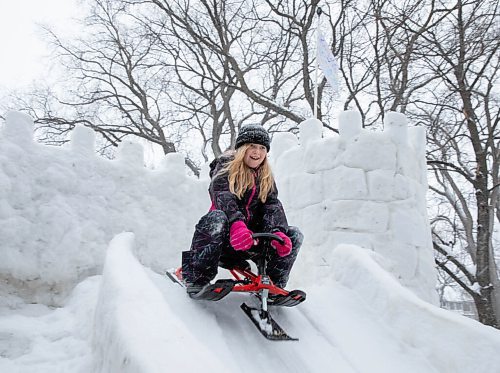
(255, 134)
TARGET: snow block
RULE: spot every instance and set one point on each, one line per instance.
(349, 124)
(401, 187)
(370, 151)
(344, 183)
(310, 130)
(396, 125)
(417, 139)
(359, 216)
(131, 153)
(408, 227)
(174, 162)
(83, 140)
(313, 224)
(407, 164)
(322, 154)
(173, 167)
(19, 128)
(134, 327)
(381, 185)
(306, 189)
(282, 141)
(290, 162)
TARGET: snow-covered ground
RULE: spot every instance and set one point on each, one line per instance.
(85, 242)
(36, 338)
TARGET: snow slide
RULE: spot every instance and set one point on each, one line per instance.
(359, 320)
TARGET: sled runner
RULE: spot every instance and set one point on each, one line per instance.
(245, 281)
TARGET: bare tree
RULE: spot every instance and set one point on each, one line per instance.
(243, 40)
(189, 38)
(165, 70)
(116, 84)
(463, 53)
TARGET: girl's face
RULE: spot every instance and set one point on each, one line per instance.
(255, 155)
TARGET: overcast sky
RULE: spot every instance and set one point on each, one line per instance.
(22, 57)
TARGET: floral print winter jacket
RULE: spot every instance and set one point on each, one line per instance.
(259, 217)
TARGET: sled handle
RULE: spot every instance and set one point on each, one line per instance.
(261, 263)
(270, 236)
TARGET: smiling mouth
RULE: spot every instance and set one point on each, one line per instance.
(255, 159)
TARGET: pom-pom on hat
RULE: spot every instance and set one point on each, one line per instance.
(254, 134)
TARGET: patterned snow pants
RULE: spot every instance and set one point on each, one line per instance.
(211, 243)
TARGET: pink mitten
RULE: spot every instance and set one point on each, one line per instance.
(240, 236)
(282, 249)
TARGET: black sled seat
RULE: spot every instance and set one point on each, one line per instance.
(231, 263)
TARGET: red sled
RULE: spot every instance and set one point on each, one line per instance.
(245, 281)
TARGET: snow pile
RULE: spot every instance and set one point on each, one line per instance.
(358, 319)
(364, 188)
(442, 337)
(60, 207)
(147, 324)
(37, 339)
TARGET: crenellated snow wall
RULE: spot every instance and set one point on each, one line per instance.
(362, 187)
(60, 207)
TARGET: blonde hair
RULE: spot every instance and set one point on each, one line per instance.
(241, 177)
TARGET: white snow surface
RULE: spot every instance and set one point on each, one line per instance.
(85, 243)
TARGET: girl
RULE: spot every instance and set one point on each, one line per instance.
(244, 200)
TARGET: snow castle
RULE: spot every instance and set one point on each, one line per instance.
(364, 188)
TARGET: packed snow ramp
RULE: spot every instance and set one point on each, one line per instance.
(359, 320)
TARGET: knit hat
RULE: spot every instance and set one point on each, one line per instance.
(255, 134)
